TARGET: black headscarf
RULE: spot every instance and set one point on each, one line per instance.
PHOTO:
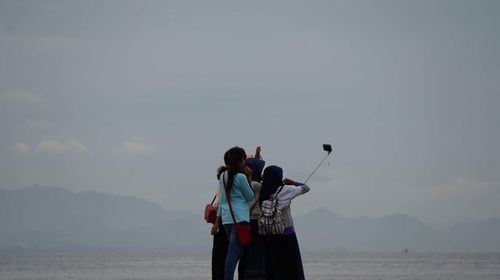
(272, 180)
(257, 165)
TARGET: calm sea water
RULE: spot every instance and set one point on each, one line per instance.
(339, 266)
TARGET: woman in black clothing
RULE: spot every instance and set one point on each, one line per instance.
(219, 248)
(252, 264)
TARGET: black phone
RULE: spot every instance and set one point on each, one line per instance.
(327, 148)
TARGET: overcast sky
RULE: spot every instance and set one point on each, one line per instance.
(142, 98)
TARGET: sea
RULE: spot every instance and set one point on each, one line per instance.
(317, 266)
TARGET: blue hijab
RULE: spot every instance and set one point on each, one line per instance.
(273, 179)
(257, 165)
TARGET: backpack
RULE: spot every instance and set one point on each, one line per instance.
(271, 219)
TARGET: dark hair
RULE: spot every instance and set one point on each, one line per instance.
(233, 158)
(220, 170)
(271, 181)
(257, 165)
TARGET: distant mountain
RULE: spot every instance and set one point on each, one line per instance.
(54, 219)
(482, 236)
(323, 230)
(41, 207)
(47, 218)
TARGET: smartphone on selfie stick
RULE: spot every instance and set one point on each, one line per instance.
(326, 148)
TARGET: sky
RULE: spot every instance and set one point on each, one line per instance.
(143, 98)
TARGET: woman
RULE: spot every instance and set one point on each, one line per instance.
(235, 183)
(219, 247)
(252, 264)
(283, 260)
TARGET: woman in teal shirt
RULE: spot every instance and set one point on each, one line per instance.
(240, 194)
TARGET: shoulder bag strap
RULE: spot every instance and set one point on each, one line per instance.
(228, 198)
(213, 200)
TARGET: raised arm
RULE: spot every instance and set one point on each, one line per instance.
(304, 188)
(290, 192)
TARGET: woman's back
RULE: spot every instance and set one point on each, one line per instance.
(240, 195)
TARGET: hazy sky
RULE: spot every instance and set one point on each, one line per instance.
(143, 98)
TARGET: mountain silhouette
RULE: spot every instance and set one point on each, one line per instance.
(56, 219)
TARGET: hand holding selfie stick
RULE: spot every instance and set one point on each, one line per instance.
(327, 148)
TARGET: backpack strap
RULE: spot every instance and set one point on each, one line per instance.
(277, 192)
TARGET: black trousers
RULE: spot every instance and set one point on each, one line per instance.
(219, 252)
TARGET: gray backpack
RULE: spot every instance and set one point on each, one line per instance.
(271, 219)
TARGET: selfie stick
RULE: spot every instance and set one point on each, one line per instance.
(329, 152)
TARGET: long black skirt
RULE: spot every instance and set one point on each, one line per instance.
(283, 260)
(219, 252)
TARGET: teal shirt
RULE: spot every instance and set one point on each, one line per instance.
(240, 194)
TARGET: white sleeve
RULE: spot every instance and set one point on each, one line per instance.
(217, 198)
(288, 193)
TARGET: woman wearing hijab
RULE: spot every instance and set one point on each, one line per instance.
(283, 260)
(234, 182)
(252, 264)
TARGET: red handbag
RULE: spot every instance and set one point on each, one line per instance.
(211, 212)
(242, 229)
(244, 233)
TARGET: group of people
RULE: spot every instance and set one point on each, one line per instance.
(243, 185)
